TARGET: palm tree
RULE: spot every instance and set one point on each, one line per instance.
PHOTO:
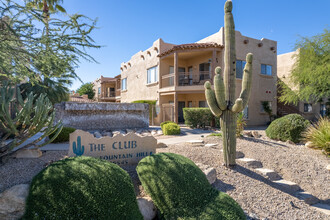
(46, 6)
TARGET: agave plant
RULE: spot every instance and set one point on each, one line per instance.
(20, 120)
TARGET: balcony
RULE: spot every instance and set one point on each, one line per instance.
(187, 78)
(111, 94)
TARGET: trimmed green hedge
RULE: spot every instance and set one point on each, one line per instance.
(64, 135)
(164, 123)
(171, 129)
(180, 189)
(289, 127)
(82, 188)
(152, 106)
(197, 117)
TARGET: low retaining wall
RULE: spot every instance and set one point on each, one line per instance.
(102, 116)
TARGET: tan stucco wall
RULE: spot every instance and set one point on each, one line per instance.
(285, 63)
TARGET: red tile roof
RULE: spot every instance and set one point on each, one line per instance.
(190, 46)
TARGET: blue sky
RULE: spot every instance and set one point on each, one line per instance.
(128, 26)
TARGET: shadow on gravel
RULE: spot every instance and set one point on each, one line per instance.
(223, 187)
(269, 143)
(251, 174)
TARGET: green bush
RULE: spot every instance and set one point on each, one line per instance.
(164, 123)
(64, 135)
(171, 129)
(319, 135)
(197, 117)
(82, 188)
(180, 190)
(289, 127)
(152, 106)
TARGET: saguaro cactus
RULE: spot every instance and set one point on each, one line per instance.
(222, 100)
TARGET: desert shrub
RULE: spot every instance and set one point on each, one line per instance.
(180, 189)
(171, 129)
(82, 188)
(164, 123)
(215, 135)
(63, 136)
(289, 127)
(240, 124)
(197, 117)
(319, 134)
(152, 106)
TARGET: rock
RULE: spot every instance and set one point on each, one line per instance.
(147, 208)
(328, 167)
(97, 134)
(248, 133)
(239, 154)
(139, 131)
(309, 144)
(255, 134)
(290, 142)
(288, 185)
(122, 132)
(196, 143)
(130, 131)
(153, 132)
(210, 172)
(160, 132)
(146, 134)
(28, 153)
(161, 145)
(270, 174)
(251, 163)
(210, 145)
(109, 134)
(307, 198)
(12, 202)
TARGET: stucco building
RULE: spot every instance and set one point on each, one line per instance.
(107, 89)
(310, 111)
(174, 75)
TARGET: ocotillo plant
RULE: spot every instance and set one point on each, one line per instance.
(31, 116)
(222, 100)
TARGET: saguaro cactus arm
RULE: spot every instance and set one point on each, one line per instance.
(219, 89)
(211, 100)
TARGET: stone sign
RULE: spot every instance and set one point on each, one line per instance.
(120, 149)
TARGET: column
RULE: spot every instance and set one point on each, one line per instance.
(175, 107)
(176, 69)
(214, 63)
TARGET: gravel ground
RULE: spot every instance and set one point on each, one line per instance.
(258, 196)
(261, 198)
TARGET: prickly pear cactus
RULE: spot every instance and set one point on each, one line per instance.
(77, 148)
(222, 100)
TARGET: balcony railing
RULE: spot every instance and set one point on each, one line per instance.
(112, 94)
(187, 78)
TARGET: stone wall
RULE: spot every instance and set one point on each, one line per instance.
(103, 116)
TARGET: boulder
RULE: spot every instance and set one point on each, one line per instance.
(210, 172)
(28, 153)
(289, 142)
(12, 202)
(161, 145)
(97, 134)
(328, 167)
(308, 144)
(160, 132)
(147, 208)
(256, 134)
(248, 133)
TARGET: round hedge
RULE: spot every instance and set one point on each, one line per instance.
(63, 136)
(180, 189)
(289, 127)
(171, 129)
(82, 188)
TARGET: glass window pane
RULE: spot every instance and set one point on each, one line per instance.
(263, 69)
(239, 69)
(269, 70)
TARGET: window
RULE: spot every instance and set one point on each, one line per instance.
(190, 104)
(99, 90)
(239, 68)
(204, 71)
(266, 69)
(246, 112)
(202, 104)
(308, 107)
(152, 75)
(124, 84)
(323, 110)
(262, 110)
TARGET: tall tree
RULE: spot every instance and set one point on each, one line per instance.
(311, 72)
(87, 89)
